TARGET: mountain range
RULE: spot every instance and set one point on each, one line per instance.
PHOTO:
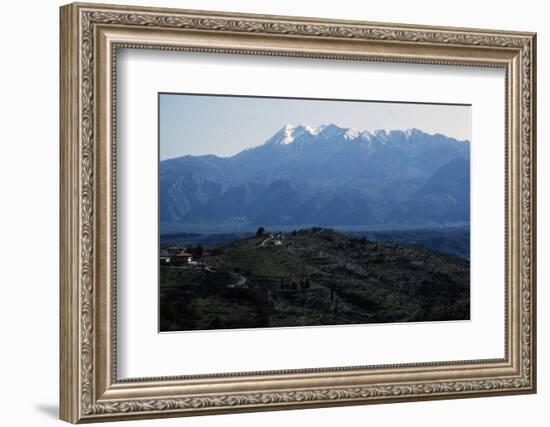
(326, 176)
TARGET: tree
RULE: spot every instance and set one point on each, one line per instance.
(260, 231)
(199, 251)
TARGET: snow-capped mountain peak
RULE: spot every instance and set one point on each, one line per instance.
(307, 175)
(351, 134)
(412, 132)
(288, 131)
(290, 134)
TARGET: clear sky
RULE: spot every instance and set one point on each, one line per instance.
(226, 125)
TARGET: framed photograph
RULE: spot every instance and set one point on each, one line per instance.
(266, 212)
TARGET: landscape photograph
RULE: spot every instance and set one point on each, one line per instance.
(296, 212)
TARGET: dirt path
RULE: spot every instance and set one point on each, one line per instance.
(262, 244)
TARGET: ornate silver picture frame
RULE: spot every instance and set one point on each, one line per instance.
(92, 36)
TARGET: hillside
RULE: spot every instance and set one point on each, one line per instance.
(313, 277)
(444, 198)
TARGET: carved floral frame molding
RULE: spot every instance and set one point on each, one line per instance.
(90, 36)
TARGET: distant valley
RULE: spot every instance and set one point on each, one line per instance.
(448, 240)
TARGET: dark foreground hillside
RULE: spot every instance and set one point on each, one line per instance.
(312, 277)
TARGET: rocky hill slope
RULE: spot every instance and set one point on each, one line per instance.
(311, 277)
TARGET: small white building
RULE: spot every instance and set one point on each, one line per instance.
(182, 258)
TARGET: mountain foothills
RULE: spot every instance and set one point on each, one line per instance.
(328, 176)
(314, 276)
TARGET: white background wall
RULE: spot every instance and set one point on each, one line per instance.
(29, 170)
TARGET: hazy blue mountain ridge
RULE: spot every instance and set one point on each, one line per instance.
(327, 176)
